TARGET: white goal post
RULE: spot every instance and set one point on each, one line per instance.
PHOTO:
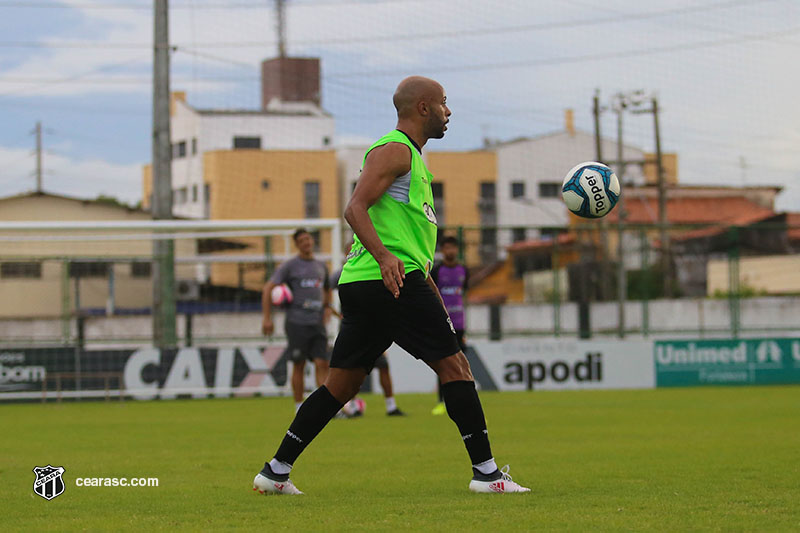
(116, 230)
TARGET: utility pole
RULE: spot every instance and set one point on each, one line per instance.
(666, 264)
(598, 141)
(619, 107)
(280, 21)
(604, 248)
(163, 250)
(38, 131)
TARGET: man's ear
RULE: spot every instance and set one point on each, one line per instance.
(422, 107)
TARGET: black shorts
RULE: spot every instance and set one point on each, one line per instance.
(307, 342)
(373, 319)
(382, 362)
(460, 338)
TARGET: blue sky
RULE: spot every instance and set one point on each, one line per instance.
(724, 70)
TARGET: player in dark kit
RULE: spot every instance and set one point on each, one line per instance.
(451, 277)
(388, 296)
(307, 314)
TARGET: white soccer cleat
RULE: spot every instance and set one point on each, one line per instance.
(502, 485)
(265, 485)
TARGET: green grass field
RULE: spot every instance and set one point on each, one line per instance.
(668, 460)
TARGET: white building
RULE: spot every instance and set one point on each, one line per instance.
(530, 172)
(281, 126)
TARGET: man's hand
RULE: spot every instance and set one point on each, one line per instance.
(326, 315)
(393, 272)
(267, 327)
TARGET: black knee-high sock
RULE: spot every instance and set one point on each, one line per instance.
(312, 416)
(464, 408)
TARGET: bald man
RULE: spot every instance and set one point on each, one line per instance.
(388, 296)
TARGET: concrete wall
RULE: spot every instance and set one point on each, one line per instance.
(776, 274)
(667, 319)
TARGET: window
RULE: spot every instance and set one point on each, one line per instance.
(549, 233)
(181, 195)
(326, 140)
(194, 145)
(437, 188)
(517, 234)
(311, 195)
(194, 193)
(549, 189)
(88, 269)
(487, 202)
(247, 142)
(21, 269)
(140, 269)
(265, 184)
(488, 236)
(517, 189)
(488, 246)
(179, 150)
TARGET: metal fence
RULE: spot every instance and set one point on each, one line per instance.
(584, 280)
(730, 271)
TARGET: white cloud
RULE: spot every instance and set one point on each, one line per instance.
(719, 103)
(85, 178)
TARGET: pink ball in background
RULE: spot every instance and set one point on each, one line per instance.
(281, 295)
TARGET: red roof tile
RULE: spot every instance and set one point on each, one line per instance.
(742, 220)
(715, 210)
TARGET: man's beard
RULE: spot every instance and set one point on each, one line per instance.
(436, 131)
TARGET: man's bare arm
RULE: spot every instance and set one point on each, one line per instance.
(266, 308)
(382, 166)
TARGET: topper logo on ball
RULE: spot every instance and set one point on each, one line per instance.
(597, 191)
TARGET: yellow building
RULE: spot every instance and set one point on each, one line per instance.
(43, 278)
(265, 184)
(460, 183)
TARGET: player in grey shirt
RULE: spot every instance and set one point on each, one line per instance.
(307, 314)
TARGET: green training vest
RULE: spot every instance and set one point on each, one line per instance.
(404, 219)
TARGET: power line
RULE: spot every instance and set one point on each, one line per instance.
(77, 108)
(69, 79)
(639, 52)
(216, 5)
(587, 57)
(205, 55)
(438, 35)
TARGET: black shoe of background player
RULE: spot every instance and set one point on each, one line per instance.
(396, 412)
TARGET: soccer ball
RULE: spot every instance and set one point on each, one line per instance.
(281, 295)
(590, 190)
(355, 407)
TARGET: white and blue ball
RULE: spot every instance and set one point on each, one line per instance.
(590, 190)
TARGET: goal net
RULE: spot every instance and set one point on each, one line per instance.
(77, 306)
